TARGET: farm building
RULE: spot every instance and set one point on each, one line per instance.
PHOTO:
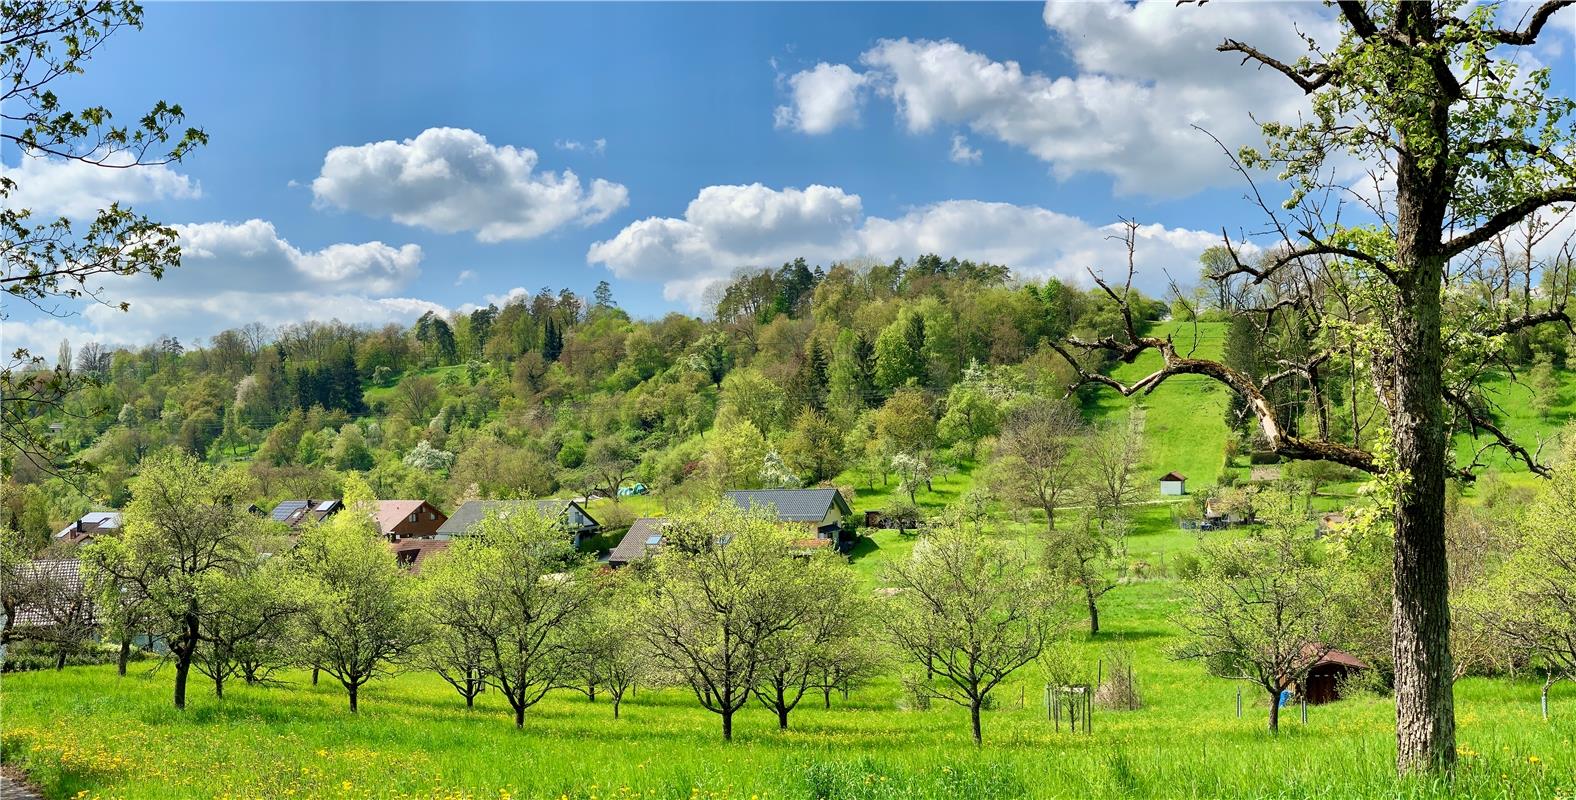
(572, 516)
(1173, 484)
(822, 510)
(1324, 679)
(295, 513)
(641, 542)
(409, 519)
(92, 523)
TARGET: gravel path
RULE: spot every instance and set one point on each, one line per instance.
(12, 790)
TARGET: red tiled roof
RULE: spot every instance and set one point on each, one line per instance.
(412, 553)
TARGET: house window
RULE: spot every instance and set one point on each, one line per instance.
(413, 517)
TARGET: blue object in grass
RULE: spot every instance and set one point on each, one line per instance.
(1285, 697)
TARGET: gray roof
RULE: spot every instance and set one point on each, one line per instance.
(793, 505)
(473, 511)
(55, 585)
(642, 540)
(92, 522)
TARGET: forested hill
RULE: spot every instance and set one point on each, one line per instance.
(861, 377)
(561, 393)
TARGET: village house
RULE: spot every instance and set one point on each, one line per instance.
(296, 513)
(91, 524)
(641, 542)
(408, 519)
(572, 516)
(822, 511)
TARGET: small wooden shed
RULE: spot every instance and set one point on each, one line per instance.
(1173, 484)
(1325, 678)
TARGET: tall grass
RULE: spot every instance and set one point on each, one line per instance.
(85, 730)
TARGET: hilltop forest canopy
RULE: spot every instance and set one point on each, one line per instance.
(556, 391)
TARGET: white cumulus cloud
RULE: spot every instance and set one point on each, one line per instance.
(731, 227)
(823, 98)
(1142, 76)
(53, 187)
(453, 179)
(235, 273)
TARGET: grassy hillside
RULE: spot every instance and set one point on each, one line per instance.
(1184, 420)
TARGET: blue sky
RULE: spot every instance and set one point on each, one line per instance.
(702, 138)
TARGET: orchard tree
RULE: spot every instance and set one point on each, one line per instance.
(359, 622)
(608, 647)
(904, 423)
(1267, 607)
(1464, 145)
(251, 632)
(523, 587)
(1531, 602)
(1036, 455)
(974, 409)
(1111, 455)
(813, 448)
(734, 456)
(837, 618)
(184, 535)
(1081, 555)
(455, 652)
(726, 589)
(971, 610)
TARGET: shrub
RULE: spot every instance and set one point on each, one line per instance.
(1119, 688)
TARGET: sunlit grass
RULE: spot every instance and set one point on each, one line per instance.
(84, 730)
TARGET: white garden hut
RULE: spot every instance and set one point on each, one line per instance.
(1173, 484)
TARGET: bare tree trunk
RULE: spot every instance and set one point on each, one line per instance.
(353, 689)
(1274, 712)
(184, 650)
(782, 708)
(519, 715)
(60, 660)
(974, 717)
(314, 676)
(1094, 609)
(727, 723)
(218, 684)
(183, 667)
(124, 657)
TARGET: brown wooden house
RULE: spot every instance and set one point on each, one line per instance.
(409, 519)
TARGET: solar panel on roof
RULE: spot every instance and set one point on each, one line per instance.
(283, 511)
(326, 505)
(653, 541)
